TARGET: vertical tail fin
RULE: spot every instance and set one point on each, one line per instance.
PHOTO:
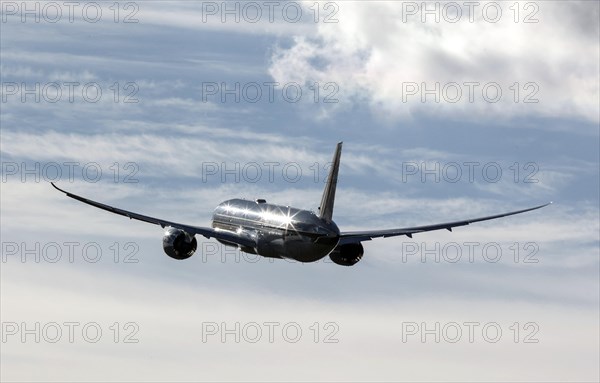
(326, 208)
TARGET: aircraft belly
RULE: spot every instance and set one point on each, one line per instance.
(297, 247)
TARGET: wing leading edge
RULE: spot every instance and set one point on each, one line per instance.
(359, 236)
(193, 230)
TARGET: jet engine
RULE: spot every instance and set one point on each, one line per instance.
(348, 254)
(178, 244)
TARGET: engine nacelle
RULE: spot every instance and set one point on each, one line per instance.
(178, 244)
(348, 254)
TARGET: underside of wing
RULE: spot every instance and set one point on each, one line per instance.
(193, 230)
(359, 236)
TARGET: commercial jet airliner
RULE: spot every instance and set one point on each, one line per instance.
(278, 231)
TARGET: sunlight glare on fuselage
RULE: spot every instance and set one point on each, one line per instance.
(270, 214)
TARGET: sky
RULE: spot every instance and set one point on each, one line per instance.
(447, 110)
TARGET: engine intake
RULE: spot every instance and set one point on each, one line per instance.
(179, 244)
(348, 254)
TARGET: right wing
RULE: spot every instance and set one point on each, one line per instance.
(193, 230)
(359, 236)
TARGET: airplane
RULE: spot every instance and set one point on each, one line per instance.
(277, 231)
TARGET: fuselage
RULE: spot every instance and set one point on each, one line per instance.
(278, 231)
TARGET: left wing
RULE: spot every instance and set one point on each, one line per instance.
(193, 230)
(359, 236)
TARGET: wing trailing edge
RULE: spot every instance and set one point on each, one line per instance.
(359, 236)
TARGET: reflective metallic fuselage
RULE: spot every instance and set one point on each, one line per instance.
(277, 231)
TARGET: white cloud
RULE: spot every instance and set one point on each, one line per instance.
(373, 55)
(170, 316)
